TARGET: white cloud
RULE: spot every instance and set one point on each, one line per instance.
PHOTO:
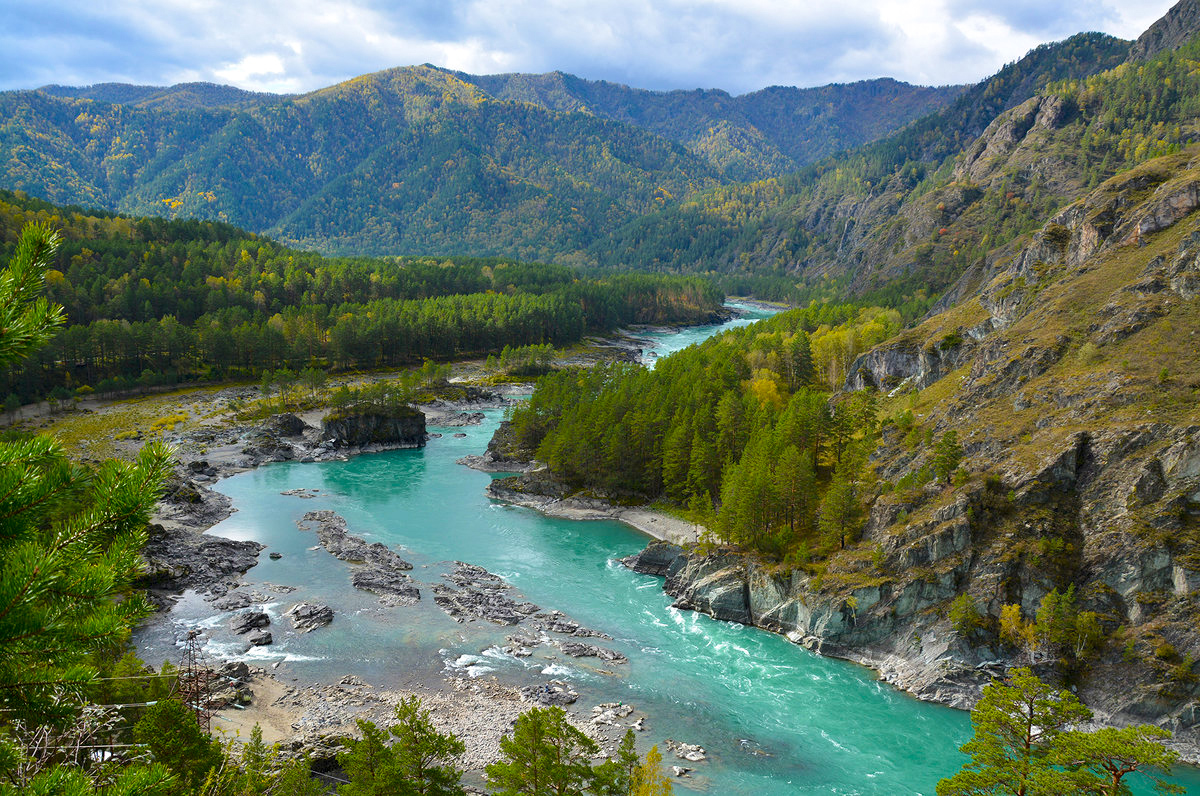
(739, 45)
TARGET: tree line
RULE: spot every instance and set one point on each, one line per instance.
(152, 302)
(739, 430)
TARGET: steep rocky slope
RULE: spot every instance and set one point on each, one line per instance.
(1070, 376)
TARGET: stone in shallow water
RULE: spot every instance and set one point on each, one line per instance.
(247, 621)
(259, 638)
(554, 692)
(579, 650)
(310, 616)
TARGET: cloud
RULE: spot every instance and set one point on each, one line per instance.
(738, 45)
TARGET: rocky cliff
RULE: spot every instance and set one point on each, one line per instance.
(358, 428)
(1068, 368)
(1173, 29)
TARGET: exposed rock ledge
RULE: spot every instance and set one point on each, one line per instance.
(934, 666)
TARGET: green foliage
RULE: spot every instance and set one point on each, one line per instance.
(130, 780)
(544, 755)
(1016, 723)
(1024, 744)
(418, 761)
(155, 302)
(26, 317)
(170, 731)
(965, 618)
(522, 362)
(69, 543)
(947, 455)
(737, 418)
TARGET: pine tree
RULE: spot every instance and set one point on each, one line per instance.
(423, 754)
(69, 538)
(946, 456)
(1098, 762)
(170, 731)
(544, 755)
(417, 763)
(841, 514)
(1016, 724)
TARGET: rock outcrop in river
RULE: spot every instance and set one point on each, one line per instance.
(377, 569)
(401, 426)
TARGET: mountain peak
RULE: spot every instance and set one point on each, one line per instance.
(1175, 27)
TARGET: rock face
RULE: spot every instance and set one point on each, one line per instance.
(377, 569)
(310, 616)
(1173, 29)
(178, 559)
(503, 454)
(474, 593)
(656, 558)
(245, 622)
(401, 427)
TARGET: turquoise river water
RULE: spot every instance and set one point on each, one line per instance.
(774, 718)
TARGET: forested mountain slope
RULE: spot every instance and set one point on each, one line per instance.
(753, 136)
(839, 218)
(1014, 480)
(403, 160)
(421, 160)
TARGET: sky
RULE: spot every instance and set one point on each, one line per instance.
(291, 46)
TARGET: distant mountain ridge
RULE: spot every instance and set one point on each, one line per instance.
(417, 159)
(181, 96)
(781, 128)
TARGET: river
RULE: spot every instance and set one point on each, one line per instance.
(774, 718)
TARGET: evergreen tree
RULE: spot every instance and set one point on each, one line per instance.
(1016, 726)
(796, 483)
(614, 777)
(544, 756)
(170, 731)
(1098, 762)
(841, 514)
(798, 358)
(947, 455)
(417, 763)
(424, 755)
(69, 538)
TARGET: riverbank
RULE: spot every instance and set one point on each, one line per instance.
(312, 719)
(651, 522)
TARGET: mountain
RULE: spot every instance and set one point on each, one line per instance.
(419, 159)
(1175, 27)
(752, 136)
(872, 205)
(1031, 494)
(181, 96)
(402, 160)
